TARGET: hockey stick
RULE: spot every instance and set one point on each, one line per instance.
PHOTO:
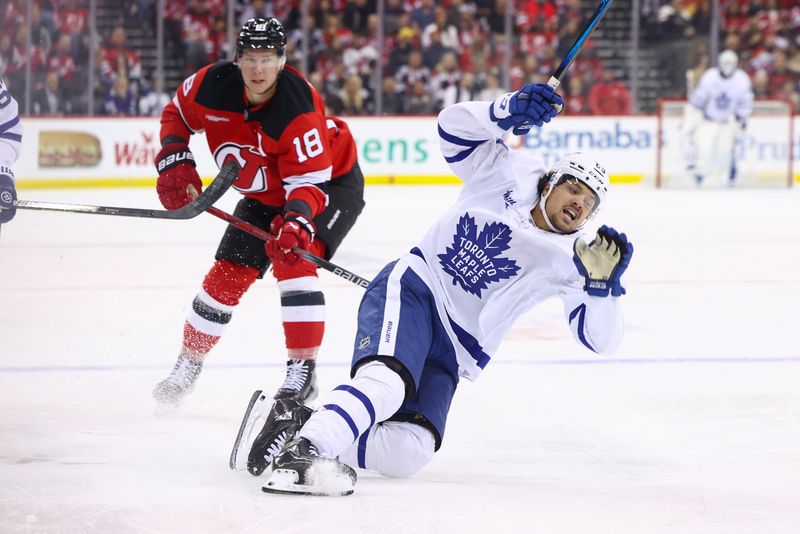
(577, 46)
(309, 257)
(227, 175)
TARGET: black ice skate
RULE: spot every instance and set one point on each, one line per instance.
(298, 469)
(285, 418)
(300, 383)
(181, 381)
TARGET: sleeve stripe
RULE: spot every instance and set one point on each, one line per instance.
(11, 137)
(460, 156)
(8, 125)
(316, 177)
(580, 312)
(180, 111)
(450, 138)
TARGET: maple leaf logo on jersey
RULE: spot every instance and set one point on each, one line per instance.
(474, 260)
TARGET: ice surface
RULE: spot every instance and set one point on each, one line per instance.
(692, 427)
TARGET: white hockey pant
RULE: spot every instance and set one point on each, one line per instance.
(361, 406)
(714, 142)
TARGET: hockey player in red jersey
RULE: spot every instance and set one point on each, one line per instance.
(300, 179)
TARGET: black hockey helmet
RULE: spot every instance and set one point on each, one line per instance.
(260, 33)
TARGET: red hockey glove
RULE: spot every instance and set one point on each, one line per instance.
(293, 231)
(176, 172)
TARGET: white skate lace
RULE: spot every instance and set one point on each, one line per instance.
(185, 372)
(296, 375)
(276, 447)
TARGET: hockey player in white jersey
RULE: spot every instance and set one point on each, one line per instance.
(439, 312)
(716, 118)
(10, 140)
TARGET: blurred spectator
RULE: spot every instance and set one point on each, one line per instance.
(6, 54)
(414, 71)
(154, 100)
(790, 92)
(420, 101)
(21, 56)
(256, 9)
(355, 16)
(445, 84)
(432, 54)
(196, 26)
(398, 55)
(423, 15)
(120, 102)
(355, 99)
(465, 91)
(72, 18)
(576, 101)
(392, 100)
(491, 89)
(609, 97)
(761, 87)
(48, 100)
(448, 34)
(119, 61)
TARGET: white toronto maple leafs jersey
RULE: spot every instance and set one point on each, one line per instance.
(484, 260)
(10, 128)
(721, 98)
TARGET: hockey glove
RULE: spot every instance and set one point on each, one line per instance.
(293, 230)
(533, 105)
(8, 194)
(603, 261)
(176, 172)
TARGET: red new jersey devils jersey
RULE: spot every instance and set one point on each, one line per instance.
(285, 147)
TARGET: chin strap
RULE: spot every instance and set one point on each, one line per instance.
(542, 202)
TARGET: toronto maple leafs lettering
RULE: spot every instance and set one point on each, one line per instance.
(474, 260)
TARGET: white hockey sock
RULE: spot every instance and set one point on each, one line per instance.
(373, 395)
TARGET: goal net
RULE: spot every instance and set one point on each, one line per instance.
(693, 152)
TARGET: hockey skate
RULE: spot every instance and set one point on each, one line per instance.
(298, 469)
(300, 383)
(284, 417)
(181, 381)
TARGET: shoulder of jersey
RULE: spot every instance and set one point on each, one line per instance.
(220, 87)
(293, 97)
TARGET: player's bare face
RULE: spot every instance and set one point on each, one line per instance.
(260, 70)
(570, 204)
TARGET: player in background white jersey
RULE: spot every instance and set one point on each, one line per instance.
(10, 140)
(439, 312)
(716, 118)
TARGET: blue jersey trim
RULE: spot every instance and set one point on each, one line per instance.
(363, 398)
(580, 313)
(11, 137)
(464, 154)
(450, 138)
(362, 450)
(10, 124)
(464, 338)
(346, 416)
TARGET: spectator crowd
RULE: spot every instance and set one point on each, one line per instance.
(432, 53)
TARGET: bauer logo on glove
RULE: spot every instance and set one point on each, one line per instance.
(603, 261)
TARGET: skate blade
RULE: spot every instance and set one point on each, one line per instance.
(254, 417)
(284, 481)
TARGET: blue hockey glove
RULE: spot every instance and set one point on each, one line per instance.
(8, 194)
(533, 105)
(603, 261)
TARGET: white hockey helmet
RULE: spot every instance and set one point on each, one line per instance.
(579, 166)
(728, 62)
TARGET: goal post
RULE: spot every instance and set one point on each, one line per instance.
(688, 146)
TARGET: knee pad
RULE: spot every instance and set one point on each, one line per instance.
(393, 449)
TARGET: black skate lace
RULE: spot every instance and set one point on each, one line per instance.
(296, 375)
